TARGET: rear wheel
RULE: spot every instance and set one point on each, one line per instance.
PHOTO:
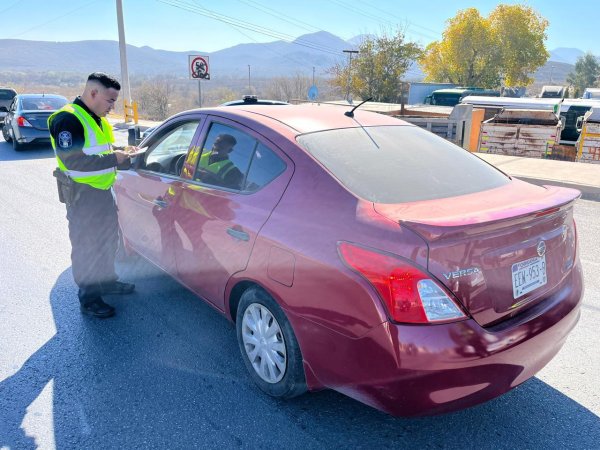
(268, 345)
(6, 134)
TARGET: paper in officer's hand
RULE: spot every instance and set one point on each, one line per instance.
(132, 150)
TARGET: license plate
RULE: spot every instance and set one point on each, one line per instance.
(528, 275)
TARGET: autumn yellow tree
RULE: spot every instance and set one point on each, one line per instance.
(502, 49)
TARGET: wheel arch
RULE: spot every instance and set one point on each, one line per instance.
(235, 294)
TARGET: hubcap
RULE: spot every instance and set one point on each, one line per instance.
(264, 343)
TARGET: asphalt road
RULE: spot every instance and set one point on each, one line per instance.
(166, 371)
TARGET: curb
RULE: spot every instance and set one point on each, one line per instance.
(587, 192)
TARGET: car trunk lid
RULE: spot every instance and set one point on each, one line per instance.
(499, 251)
(37, 119)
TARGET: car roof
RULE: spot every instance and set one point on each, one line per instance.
(308, 118)
(39, 95)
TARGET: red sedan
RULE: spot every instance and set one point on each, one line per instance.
(358, 252)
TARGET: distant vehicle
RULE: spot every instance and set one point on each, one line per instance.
(27, 119)
(591, 93)
(253, 100)
(452, 97)
(553, 92)
(6, 98)
(569, 110)
(493, 105)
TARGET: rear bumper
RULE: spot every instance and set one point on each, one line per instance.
(26, 135)
(424, 370)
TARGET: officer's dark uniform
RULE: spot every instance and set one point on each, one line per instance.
(92, 216)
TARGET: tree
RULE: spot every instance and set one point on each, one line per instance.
(519, 33)
(586, 73)
(467, 54)
(504, 48)
(154, 98)
(378, 68)
(288, 88)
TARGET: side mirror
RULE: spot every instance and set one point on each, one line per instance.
(579, 124)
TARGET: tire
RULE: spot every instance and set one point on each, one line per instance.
(268, 345)
(6, 134)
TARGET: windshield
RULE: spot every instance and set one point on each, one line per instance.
(397, 164)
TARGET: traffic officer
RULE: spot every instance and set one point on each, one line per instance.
(82, 141)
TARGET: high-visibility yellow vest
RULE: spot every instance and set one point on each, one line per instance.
(97, 142)
(219, 168)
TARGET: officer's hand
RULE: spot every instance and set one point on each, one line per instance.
(121, 156)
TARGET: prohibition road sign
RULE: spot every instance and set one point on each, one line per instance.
(199, 69)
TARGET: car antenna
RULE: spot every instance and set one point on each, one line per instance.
(351, 112)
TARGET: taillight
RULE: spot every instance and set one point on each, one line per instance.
(409, 294)
(22, 122)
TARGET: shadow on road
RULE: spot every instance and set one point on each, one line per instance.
(32, 152)
(166, 372)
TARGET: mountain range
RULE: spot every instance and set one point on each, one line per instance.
(320, 50)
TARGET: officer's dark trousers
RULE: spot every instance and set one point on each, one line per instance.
(93, 230)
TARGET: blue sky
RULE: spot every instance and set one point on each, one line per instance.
(183, 25)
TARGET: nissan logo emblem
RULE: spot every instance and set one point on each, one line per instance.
(541, 248)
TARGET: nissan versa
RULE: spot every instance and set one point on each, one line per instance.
(357, 252)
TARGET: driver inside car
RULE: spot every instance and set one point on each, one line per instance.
(216, 168)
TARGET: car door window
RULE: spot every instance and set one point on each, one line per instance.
(264, 168)
(225, 157)
(167, 155)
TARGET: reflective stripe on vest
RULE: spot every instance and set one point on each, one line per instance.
(219, 168)
(97, 142)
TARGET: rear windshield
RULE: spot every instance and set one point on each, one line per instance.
(397, 164)
(42, 103)
(7, 94)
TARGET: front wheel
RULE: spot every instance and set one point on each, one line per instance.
(268, 345)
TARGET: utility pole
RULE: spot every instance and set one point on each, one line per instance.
(249, 91)
(313, 83)
(350, 52)
(122, 51)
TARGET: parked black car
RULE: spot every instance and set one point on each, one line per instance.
(27, 119)
(6, 98)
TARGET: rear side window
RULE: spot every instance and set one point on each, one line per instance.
(265, 167)
(397, 164)
(7, 94)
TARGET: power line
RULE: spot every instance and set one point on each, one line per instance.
(6, 9)
(281, 16)
(248, 26)
(286, 37)
(54, 19)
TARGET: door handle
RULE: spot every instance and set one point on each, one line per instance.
(160, 203)
(238, 234)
